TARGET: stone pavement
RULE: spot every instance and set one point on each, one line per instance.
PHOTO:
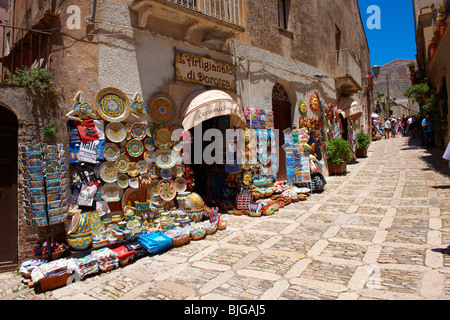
(380, 232)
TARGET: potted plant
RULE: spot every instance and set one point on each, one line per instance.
(338, 153)
(362, 144)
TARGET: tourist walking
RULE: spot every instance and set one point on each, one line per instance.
(393, 126)
(387, 127)
(402, 123)
(427, 125)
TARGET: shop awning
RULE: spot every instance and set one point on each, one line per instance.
(350, 109)
(207, 104)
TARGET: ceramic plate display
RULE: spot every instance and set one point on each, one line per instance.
(165, 159)
(135, 148)
(149, 157)
(130, 224)
(134, 182)
(128, 127)
(154, 187)
(122, 163)
(153, 170)
(149, 144)
(138, 131)
(143, 166)
(108, 172)
(133, 169)
(112, 105)
(111, 192)
(111, 152)
(178, 170)
(115, 132)
(180, 184)
(122, 180)
(162, 109)
(167, 190)
(162, 137)
(166, 173)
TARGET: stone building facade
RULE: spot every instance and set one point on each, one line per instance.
(302, 47)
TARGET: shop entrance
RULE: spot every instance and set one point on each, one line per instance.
(8, 190)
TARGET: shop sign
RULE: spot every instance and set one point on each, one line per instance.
(204, 71)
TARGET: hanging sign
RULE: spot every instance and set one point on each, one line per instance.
(204, 71)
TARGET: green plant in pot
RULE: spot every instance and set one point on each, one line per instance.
(362, 144)
(338, 153)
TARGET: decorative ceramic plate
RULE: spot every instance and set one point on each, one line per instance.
(149, 130)
(165, 159)
(180, 184)
(149, 157)
(303, 107)
(130, 224)
(111, 152)
(149, 144)
(178, 170)
(167, 190)
(108, 172)
(111, 192)
(162, 109)
(122, 163)
(133, 169)
(154, 187)
(112, 105)
(135, 148)
(134, 183)
(122, 180)
(115, 132)
(162, 136)
(153, 170)
(166, 173)
(138, 131)
(143, 166)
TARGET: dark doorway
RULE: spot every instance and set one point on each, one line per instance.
(8, 190)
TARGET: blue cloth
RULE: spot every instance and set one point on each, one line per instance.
(428, 128)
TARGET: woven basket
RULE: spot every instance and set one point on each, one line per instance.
(181, 241)
(255, 214)
(222, 225)
(211, 231)
(195, 238)
(238, 212)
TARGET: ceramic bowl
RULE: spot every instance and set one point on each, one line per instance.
(80, 242)
(195, 215)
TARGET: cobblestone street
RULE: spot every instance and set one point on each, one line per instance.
(380, 232)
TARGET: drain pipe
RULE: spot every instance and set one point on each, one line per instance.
(90, 20)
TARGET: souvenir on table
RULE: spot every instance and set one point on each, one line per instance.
(122, 163)
(165, 159)
(111, 192)
(166, 173)
(162, 136)
(143, 166)
(162, 109)
(180, 184)
(178, 170)
(122, 180)
(149, 144)
(135, 148)
(314, 102)
(133, 169)
(112, 105)
(115, 132)
(111, 152)
(138, 131)
(108, 172)
(149, 157)
(153, 170)
(167, 190)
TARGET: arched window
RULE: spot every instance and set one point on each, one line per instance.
(279, 93)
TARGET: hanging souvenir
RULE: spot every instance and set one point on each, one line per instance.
(165, 159)
(149, 145)
(138, 131)
(115, 132)
(108, 172)
(111, 152)
(153, 170)
(122, 163)
(303, 107)
(247, 178)
(81, 110)
(112, 105)
(162, 109)
(166, 173)
(111, 192)
(87, 130)
(178, 170)
(138, 106)
(314, 102)
(135, 148)
(180, 184)
(167, 190)
(149, 157)
(122, 180)
(162, 136)
(133, 169)
(143, 166)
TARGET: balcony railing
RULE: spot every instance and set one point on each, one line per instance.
(348, 66)
(21, 47)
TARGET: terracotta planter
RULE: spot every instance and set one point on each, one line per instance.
(337, 169)
(359, 153)
(441, 30)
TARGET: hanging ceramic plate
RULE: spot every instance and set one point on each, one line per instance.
(134, 183)
(178, 170)
(166, 173)
(167, 190)
(180, 184)
(149, 144)
(153, 170)
(112, 105)
(122, 180)
(143, 166)
(133, 169)
(108, 172)
(135, 148)
(122, 163)
(154, 187)
(138, 131)
(111, 152)
(149, 157)
(115, 132)
(162, 109)
(165, 159)
(149, 130)
(162, 137)
(111, 192)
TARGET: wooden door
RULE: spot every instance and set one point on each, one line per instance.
(282, 121)
(8, 190)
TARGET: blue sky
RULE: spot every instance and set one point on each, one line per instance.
(395, 39)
